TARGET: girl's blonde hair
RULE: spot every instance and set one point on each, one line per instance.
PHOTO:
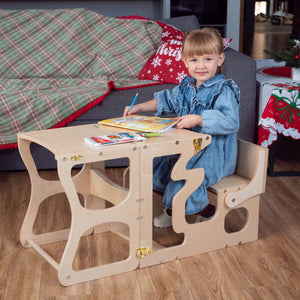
(203, 41)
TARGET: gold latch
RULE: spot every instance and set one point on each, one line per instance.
(197, 145)
(143, 251)
(76, 157)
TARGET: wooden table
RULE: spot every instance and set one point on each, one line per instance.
(130, 213)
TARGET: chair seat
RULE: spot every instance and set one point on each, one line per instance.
(232, 182)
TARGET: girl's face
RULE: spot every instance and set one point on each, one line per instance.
(203, 67)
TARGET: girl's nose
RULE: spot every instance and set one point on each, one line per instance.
(200, 64)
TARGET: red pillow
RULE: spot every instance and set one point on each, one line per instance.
(166, 65)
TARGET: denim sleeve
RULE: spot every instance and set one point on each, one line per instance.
(223, 118)
(167, 102)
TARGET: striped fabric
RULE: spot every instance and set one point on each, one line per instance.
(56, 64)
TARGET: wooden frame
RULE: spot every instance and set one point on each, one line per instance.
(131, 213)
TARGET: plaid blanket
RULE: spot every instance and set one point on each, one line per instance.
(57, 64)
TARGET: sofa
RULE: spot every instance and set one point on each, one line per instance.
(237, 66)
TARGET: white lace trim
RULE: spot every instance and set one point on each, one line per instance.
(271, 125)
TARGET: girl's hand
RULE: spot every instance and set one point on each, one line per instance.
(128, 112)
(147, 106)
(189, 121)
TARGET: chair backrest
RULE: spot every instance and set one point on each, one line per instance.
(251, 165)
(250, 157)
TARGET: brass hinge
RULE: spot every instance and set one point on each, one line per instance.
(197, 145)
(76, 157)
(143, 251)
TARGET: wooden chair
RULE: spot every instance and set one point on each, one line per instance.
(243, 190)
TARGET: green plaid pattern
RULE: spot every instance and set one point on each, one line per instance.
(54, 63)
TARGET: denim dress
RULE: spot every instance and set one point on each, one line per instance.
(217, 101)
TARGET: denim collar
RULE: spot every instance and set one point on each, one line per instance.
(218, 79)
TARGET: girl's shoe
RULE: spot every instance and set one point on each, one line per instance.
(163, 221)
(206, 214)
(200, 219)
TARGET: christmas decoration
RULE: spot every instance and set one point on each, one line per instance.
(291, 56)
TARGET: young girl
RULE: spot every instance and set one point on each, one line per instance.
(206, 103)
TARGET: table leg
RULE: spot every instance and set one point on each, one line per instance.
(41, 189)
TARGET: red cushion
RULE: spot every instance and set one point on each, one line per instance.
(166, 65)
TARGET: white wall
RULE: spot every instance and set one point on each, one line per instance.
(233, 22)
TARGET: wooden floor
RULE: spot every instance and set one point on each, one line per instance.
(266, 36)
(268, 268)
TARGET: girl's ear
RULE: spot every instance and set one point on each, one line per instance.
(221, 59)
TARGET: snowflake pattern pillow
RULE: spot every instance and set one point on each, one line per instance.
(166, 65)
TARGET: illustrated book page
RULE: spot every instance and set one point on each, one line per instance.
(142, 123)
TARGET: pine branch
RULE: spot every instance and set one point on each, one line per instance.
(289, 56)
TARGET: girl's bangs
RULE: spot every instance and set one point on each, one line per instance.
(200, 45)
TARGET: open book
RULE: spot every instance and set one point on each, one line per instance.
(142, 123)
(117, 138)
